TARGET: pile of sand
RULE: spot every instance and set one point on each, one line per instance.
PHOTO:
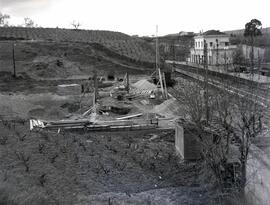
(169, 108)
(144, 85)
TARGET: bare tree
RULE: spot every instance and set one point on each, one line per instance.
(226, 126)
(4, 19)
(29, 23)
(76, 24)
(24, 159)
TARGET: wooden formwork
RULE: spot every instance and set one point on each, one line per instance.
(98, 126)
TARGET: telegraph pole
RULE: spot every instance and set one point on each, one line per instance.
(157, 51)
(127, 82)
(158, 72)
(95, 86)
(217, 52)
(206, 94)
(13, 59)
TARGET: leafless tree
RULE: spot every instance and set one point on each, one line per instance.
(4, 19)
(3, 140)
(76, 25)
(24, 159)
(29, 23)
(226, 133)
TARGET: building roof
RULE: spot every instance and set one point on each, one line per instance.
(213, 32)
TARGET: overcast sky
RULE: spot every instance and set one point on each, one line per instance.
(140, 16)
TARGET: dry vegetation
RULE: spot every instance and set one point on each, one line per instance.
(69, 168)
(134, 49)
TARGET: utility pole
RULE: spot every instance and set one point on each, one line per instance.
(158, 72)
(161, 83)
(13, 59)
(157, 51)
(225, 59)
(206, 94)
(165, 86)
(259, 60)
(127, 82)
(217, 51)
(95, 86)
(252, 54)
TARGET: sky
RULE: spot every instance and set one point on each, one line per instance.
(140, 17)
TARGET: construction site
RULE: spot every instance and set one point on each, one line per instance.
(100, 117)
(81, 125)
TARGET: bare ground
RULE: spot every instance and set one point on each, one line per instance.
(87, 168)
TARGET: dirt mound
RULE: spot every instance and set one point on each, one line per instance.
(144, 85)
(51, 67)
(169, 108)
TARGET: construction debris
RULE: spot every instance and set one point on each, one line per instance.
(123, 98)
(90, 125)
(129, 117)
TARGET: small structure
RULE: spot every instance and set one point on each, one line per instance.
(186, 141)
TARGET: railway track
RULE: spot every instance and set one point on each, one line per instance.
(256, 95)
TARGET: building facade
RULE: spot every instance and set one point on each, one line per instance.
(219, 50)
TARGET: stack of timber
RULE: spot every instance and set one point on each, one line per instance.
(89, 125)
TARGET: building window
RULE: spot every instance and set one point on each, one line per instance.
(226, 43)
(211, 44)
(196, 44)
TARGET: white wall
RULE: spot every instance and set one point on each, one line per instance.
(198, 41)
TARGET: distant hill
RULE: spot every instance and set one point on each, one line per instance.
(237, 37)
(241, 31)
(173, 46)
(132, 48)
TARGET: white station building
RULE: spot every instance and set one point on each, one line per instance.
(219, 50)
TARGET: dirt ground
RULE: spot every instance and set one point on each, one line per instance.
(92, 168)
(46, 167)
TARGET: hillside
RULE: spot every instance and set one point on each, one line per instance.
(241, 31)
(237, 37)
(173, 46)
(46, 60)
(130, 48)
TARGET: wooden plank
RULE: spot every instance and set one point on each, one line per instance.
(89, 110)
(69, 122)
(130, 116)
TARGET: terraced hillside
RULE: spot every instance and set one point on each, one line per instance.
(47, 59)
(133, 49)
